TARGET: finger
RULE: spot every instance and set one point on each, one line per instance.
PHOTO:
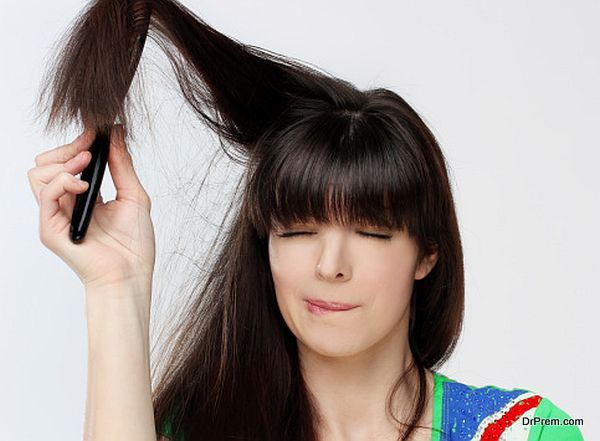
(127, 183)
(42, 175)
(65, 152)
(50, 213)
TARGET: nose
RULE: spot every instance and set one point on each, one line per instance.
(333, 264)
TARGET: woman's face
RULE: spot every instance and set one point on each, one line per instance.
(334, 263)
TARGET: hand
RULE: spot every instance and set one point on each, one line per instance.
(119, 245)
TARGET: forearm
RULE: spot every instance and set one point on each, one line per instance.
(119, 390)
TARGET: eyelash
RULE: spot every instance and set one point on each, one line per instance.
(300, 233)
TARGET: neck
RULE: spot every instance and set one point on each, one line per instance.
(351, 392)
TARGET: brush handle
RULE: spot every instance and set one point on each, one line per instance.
(92, 174)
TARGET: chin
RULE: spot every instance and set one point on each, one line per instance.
(330, 347)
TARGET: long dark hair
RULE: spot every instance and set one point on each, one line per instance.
(314, 146)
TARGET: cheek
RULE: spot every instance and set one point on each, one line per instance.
(289, 268)
(387, 279)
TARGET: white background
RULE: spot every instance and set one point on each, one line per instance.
(511, 91)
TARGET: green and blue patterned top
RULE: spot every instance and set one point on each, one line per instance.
(466, 413)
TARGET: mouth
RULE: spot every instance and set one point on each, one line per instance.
(321, 307)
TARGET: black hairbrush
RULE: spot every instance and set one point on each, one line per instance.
(94, 172)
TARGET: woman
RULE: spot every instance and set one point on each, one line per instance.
(338, 289)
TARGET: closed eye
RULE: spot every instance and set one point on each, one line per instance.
(293, 233)
(362, 233)
(378, 236)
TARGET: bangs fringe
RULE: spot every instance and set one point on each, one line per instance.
(337, 168)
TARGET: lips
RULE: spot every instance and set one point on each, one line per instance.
(331, 306)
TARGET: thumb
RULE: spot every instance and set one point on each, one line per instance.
(127, 183)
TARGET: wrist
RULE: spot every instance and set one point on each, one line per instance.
(127, 299)
(130, 286)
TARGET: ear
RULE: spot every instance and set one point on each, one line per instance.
(427, 263)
